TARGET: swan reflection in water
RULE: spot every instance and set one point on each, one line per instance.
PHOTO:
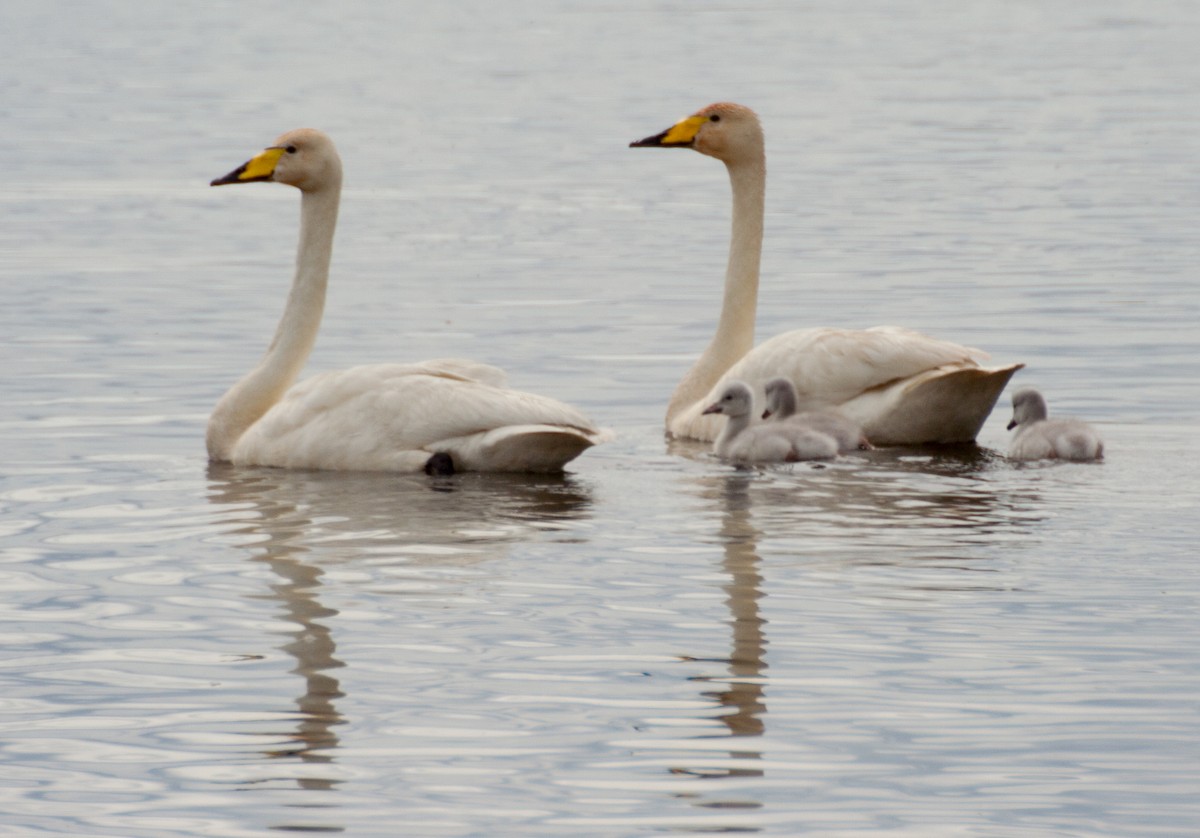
(297, 522)
(740, 693)
(855, 513)
(902, 502)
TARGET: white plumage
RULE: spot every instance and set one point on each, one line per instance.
(381, 417)
(902, 387)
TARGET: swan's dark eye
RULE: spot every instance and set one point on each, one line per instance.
(290, 149)
(715, 118)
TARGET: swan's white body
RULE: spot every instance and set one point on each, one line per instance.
(902, 387)
(781, 408)
(381, 417)
(1040, 438)
(744, 441)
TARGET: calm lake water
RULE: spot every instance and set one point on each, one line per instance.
(907, 642)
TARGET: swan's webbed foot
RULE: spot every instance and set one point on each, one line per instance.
(440, 464)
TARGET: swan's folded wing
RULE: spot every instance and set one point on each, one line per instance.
(839, 368)
(536, 448)
(382, 416)
(832, 366)
(454, 368)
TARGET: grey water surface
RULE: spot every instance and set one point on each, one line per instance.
(906, 642)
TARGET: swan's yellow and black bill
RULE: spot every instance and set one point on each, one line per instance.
(680, 135)
(259, 167)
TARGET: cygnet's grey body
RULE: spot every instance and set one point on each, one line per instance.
(781, 409)
(1040, 438)
(742, 441)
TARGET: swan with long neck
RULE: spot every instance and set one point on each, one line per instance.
(440, 415)
(900, 386)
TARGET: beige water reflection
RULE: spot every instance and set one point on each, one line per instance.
(743, 690)
(796, 511)
(916, 502)
(300, 521)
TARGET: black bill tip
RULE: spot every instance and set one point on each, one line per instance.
(233, 177)
(651, 142)
(237, 176)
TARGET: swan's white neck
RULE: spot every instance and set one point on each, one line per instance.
(246, 402)
(735, 330)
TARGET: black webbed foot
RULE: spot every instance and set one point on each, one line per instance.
(439, 465)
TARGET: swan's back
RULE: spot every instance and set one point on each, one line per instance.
(393, 417)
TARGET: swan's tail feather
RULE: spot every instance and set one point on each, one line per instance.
(942, 406)
(526, 448)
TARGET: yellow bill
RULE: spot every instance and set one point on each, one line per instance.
(681, 134)
(259, 167)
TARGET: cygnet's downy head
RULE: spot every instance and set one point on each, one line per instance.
(735, 401)
(781, 399)
(1028, 407)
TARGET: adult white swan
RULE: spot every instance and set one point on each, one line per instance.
(443, 415)
(900, 386)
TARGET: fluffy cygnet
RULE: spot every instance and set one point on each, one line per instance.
(742, 441)
(781, 408)
(1040, 438)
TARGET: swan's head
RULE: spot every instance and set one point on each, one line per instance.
(781, 398)
(735, 401)
(724, 130)
(1028, 407)
(304, 158)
